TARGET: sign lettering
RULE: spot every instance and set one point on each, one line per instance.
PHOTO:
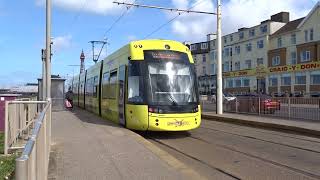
(263, 71)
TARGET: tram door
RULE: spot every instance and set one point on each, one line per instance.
(121, 99)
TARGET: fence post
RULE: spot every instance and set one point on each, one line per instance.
(22, 168)
(6, 128)
(259, 106)
(289, 107)
(236, 105)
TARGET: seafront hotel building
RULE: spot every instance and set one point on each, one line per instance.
(276, 57)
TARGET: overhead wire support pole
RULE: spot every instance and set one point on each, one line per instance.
(48, 49)
(219, 61)
(99, 42)
(164, 8)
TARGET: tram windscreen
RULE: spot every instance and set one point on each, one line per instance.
(171, 83)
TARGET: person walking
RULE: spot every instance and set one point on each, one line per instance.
(69, 98)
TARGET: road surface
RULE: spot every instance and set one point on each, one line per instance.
(220, 150)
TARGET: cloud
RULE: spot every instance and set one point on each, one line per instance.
(61, 43)
(102, 7)
(235, 14)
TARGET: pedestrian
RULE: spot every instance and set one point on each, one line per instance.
(69, 98)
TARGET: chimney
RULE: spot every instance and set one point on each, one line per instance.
(281, 17)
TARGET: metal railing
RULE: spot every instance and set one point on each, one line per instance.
(19, 120)
(299, 108)
(34, 161)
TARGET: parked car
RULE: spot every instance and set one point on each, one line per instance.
(226, 97)
(250, 103)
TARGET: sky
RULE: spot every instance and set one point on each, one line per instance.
(76, 22)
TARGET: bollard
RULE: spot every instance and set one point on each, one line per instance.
(22, 168)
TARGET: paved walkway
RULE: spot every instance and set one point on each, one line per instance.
(307, 127)
(88, 147)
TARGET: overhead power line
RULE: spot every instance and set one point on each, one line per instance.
(172, 19)
(118, 19)
(164, 8)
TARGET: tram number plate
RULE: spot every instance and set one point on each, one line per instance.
(178, 123)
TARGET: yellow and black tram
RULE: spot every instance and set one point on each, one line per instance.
(145, 85)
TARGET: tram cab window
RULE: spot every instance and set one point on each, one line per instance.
(135, 84)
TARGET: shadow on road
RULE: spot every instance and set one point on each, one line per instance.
(164, 134)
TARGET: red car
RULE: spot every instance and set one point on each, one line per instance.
(250, 103)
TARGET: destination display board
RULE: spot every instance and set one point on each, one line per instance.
(150, 55)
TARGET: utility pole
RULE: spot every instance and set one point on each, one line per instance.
(44, 83)
(219, 48)
(48, 49)
(93, 45)
(219, 61)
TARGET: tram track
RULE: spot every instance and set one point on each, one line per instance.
(267, 131)
(259, 139)
(262, 159)
(195, 158)
(223, 148)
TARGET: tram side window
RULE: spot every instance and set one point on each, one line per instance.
(95, 86)
(105, 82)
(113, 85)
(89, 87)
(135, 84)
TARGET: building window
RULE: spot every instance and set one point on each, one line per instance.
(279, 42)
(293, 39)
(237, 66)
(204, 58)
(251, 32)
(226, 52)
(263, 29)
(273, 81)
(226, 67)
(231, 38)
(249, 47)
(275, 60)
(315, 77)
(225, 39)
(306, 35)
(241, 35)
(237, 48)
(213, 56)
(305, 56)
(246, 82)
(248, 64)
(204, 45)
(193, 47)
(285, 79)
(300, 78)
(204, 71)
(311, 34)
(230, 83)
(293, 57)
(213, 69)
(260, 44)
(237, 83)
(259, 61)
